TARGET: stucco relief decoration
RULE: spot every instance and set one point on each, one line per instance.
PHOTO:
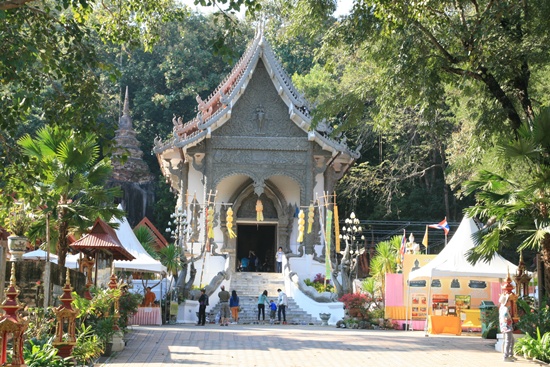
(259, 157)
(194, 220)
(261, 118)
(259, 188)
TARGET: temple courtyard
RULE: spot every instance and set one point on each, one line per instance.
(299, 346)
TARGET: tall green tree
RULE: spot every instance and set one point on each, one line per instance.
(513, 195)
(64, 177)
(420, 76)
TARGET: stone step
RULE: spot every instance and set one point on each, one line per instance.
(253, 284)
(249, 286)
(249, 313)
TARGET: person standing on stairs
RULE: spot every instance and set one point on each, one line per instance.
(234, 306)
(262, 301)
(279, 258)
(282, 302)
(224, 302)
(272, 311)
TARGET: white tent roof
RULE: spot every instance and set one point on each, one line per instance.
(70, 260)
(452, 262)
(38, 255)
(143, 261)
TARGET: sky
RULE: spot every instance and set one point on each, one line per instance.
(343, 7)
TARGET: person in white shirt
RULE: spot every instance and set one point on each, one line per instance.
(282, 302)
(279, 257)
(506, 328)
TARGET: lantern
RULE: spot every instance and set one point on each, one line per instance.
(12, 327)
(65, 330)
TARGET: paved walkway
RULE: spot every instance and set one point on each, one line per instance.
(301, 346)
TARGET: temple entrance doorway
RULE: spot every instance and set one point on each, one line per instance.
(260, 239)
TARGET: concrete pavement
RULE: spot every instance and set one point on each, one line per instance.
(301, 346)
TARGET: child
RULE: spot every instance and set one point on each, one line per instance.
(273, 309)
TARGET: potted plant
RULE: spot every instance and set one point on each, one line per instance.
(17, 223)
(357, 304)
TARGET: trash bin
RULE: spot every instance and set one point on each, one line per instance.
(487, 310)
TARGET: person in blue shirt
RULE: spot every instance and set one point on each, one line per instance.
(244, 264)
(234, 306)
(272, 311)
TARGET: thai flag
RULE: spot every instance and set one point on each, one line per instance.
(442, 225)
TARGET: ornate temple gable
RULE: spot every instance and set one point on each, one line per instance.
(218, 108)
(261, 115)
(256, 107)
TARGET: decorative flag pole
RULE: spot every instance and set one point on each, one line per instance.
(442, 225)
(403, 247)
(336, 227)
(425, 240)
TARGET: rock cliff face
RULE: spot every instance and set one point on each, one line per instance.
(130, 171)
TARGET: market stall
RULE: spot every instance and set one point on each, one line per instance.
(449, 279)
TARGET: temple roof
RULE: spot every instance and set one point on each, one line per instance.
(160, 241)
(216, 109)
(102, 237)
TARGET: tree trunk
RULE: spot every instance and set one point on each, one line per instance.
(545, 252)
(498, 93)
(62, 243)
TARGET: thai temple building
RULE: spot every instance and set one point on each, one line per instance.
(244, 167)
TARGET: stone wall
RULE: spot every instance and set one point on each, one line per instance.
(29, 278)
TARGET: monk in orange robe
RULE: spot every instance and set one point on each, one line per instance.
(149, 299)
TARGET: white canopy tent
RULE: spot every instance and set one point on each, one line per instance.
(143, 261)
(39, 255)
(71, 261)
(452, 261)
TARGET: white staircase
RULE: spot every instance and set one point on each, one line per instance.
(249, 286)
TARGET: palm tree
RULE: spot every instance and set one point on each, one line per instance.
(385, 260)
(147, 240)
(513, 199)
(69, 184)
(170, 257)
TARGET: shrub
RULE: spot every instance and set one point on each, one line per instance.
(43, 354)
(355, 300)
(532, 348)
(532, 318)
(41, 323)
(87, 347)
(358, 302)
(128, 306)
(319, 283)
